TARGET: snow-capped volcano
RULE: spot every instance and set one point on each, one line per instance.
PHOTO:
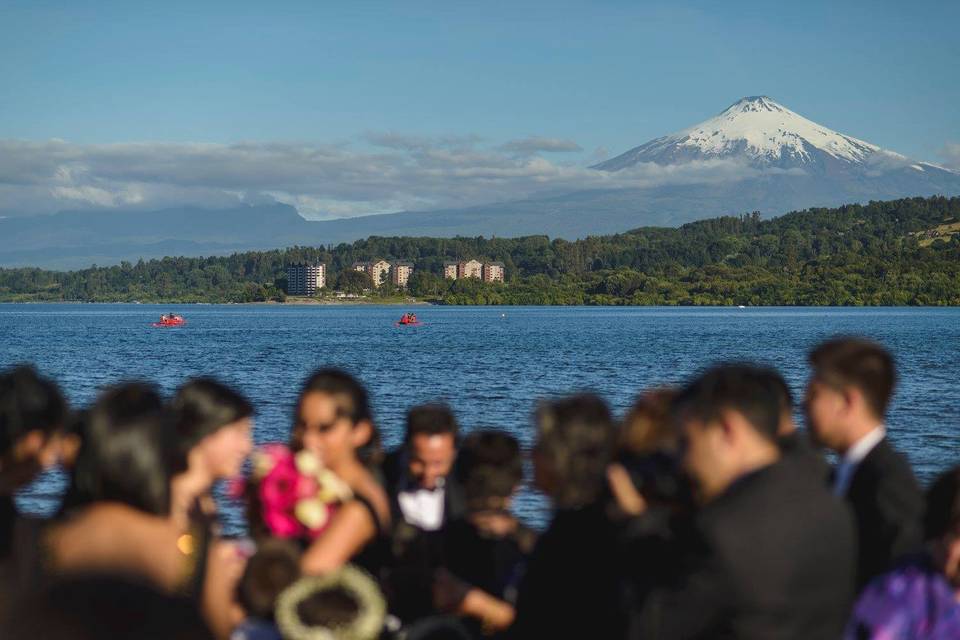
(763, 133)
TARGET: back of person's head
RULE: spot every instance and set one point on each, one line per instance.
(202, 406)
(273, 568)
(859, 363)
(489, 468)
(647, 427)
(942, 516)
(353, 403)
(128, 453)
(431, 420)
(576, 440)
(28, 402)
(743, 388)
(784, 399)
(345, 604)
(96, 608)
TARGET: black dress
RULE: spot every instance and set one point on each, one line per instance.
(572, 586)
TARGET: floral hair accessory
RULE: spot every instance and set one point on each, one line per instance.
(297, 494)
(293, 613)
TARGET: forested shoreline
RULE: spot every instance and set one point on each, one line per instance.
(901, 252)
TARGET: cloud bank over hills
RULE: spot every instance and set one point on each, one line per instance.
(391, 172)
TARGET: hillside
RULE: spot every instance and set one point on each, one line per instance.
(874, 254)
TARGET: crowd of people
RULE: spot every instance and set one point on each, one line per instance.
(704, 512)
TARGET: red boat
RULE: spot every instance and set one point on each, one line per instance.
(408, 319)
(170, 320)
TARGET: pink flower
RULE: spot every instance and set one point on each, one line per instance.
(282, 523)
(278, 489)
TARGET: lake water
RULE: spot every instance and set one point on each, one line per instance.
(489, 363)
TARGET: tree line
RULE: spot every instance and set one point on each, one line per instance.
(873, 254)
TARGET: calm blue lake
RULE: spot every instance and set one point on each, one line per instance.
(489, 363)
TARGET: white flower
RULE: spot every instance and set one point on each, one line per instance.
(307, 463)
(311, 512)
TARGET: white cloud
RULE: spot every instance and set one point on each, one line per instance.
(386, 172)
(951, 155)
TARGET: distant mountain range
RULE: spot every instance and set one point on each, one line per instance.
(786, 163)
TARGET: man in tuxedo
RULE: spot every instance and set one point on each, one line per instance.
(847, 397)
(771, 552)
(418, 474)
(424, 498)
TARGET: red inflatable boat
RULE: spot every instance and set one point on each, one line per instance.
(170, 320)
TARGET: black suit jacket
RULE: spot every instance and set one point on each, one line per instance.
(395, 474)
(773, 557)
(888, 506)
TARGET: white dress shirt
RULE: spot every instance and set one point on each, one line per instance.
(423, 508)
(853, 457)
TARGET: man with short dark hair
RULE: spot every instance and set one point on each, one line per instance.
(772, 552)
(424, 498)
(418, 472)
(847, 398)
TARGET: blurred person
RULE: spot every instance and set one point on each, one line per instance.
(32, 413)
(274, 567)
(572, 582)
(795, 444)
(773, 550)
(418, 473)
(920, 598)
(333, 420)
(847, 397)
(94, 607)
(485, 552)
(645, 469)
(115, 514)
(212, 427)
(424, 498)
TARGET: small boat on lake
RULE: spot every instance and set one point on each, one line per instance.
(170, 320)
(408, 319)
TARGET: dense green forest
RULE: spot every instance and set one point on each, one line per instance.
(902, 252)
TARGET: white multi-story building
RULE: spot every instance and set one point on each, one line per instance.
(306, 279)
(450, 270)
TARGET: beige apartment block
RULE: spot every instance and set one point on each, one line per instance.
(450, 270)
(470, 269)
(493, 272)
(400, 273)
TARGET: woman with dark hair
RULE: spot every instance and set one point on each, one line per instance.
(572, 584)
(32, 413)
(333, 421)
(115, 516)
(212, 424)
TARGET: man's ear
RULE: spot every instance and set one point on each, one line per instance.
(362, 433)
(728, 424)
(853, 399)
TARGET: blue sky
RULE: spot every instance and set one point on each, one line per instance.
(603, 75)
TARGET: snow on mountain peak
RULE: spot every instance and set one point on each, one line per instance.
(757, 129)
(771, 130)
